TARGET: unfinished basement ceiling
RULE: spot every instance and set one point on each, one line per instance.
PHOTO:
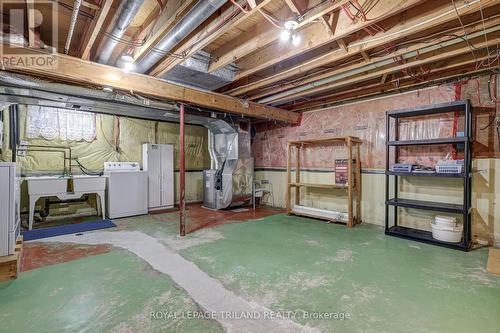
(337, 50)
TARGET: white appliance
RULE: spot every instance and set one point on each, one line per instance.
(158, 161)
(127, 193)
(10, 218)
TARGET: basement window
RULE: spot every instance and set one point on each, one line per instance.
(64, 124)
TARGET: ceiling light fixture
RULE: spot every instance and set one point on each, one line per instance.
(127, 63)
(288, 33)
(291, 25)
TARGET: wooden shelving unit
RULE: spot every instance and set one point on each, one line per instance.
(353, 186)
(394, 202)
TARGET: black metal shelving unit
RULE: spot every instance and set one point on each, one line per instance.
(394, 202)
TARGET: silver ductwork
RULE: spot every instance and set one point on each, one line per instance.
(21, 89)
(126, 13)
(197, 15)
(229, 181)
(194, 72)
(35, 84)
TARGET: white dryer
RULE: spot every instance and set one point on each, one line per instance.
(127, 189)
(10, 197)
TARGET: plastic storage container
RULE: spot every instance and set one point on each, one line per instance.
(445, 221)
(446, 229)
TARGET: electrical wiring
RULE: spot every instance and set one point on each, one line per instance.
(70, 8)
(463, 28)
(489, 62)
(300, 17)
(87, 171)
(373, 29)
(484, 29)
(139, 44)
(427, 40)
(478, 93)
(492, 87)
(274, 21)
(359, 8)
(277, 23)
(122, 41)
(399, 32)
(239, 6)
(390, 35)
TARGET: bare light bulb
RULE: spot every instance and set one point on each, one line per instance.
(285, 35)
(296, 40)
(127, 63)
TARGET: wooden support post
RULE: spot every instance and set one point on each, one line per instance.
(288, 177)
(182, 175)
(297, 175)
(349, 182)
(358, 183)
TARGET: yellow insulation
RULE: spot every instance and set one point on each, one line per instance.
(133, 133)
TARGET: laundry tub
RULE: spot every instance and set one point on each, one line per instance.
(60, 187)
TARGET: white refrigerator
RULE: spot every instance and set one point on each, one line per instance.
(10, 219)
(158, 161)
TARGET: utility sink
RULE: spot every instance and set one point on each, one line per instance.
(41, 185)
(47, 186)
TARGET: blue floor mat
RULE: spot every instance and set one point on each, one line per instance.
(66, 229)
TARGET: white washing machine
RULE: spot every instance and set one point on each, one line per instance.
(127, 189)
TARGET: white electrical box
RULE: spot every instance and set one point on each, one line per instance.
(158, 161)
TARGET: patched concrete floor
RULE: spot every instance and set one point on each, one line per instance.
(294, 271)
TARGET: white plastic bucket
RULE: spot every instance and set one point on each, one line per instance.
(449, 234)
(445, 221)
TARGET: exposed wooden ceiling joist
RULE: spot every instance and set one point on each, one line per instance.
(438, 55)
(244, 46)
(338, 37)
(94, 29)
(71, 69)
(433, 16)
(297, 6)
(313, 36)
(454, 34)
(205, 37)
(464, 69)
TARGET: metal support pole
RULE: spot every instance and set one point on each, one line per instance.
(182, 175)
(14, 130)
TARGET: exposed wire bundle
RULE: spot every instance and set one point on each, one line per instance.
(373, 29)
(492, 88)
(87, 171)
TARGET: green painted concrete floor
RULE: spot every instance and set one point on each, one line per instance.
(285, 263)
